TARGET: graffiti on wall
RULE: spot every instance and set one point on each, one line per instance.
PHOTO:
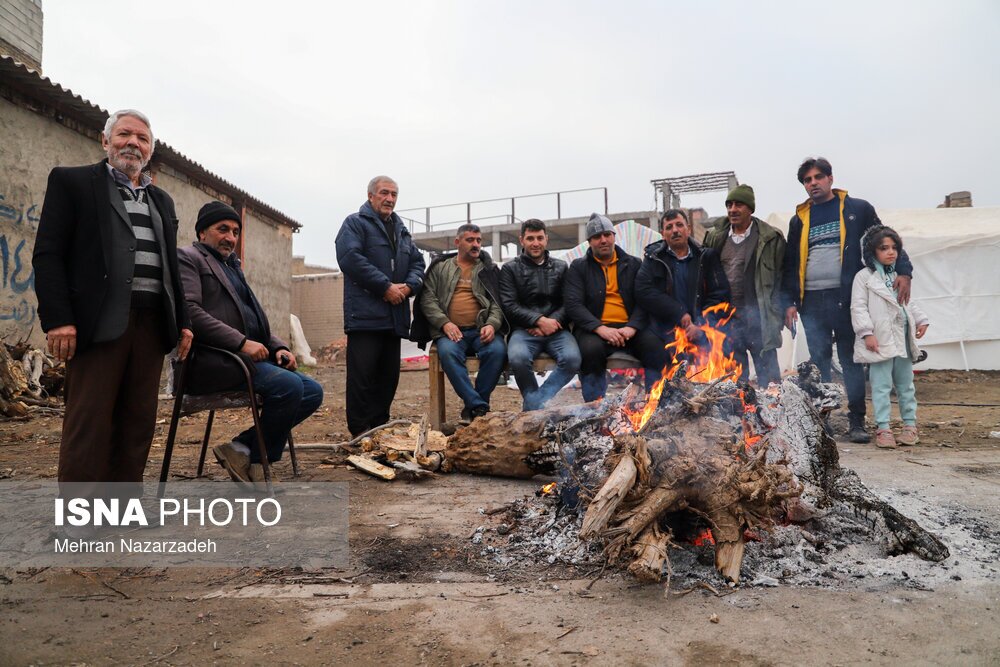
(18, 224)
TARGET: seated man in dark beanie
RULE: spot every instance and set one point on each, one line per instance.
(226, 314)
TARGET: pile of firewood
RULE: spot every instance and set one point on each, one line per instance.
(27, 378)
(329, 353)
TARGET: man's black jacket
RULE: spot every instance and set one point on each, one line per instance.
(529, 291)
(586, 288)
(706, 281)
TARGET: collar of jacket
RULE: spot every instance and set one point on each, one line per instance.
(658, 250)
(765, 231)
(233, 260)
(366, 211)
(484, 257)
(530, 262)
(802, 211)
(621, 255)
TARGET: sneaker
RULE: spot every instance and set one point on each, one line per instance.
(469, 414)
(884, 439)
(466, 417)
(857, 432)
(257, 477)
(235, 462)
(909, 436)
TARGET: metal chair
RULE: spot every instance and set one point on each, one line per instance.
(186, 404)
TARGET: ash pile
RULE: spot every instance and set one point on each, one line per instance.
(714, 474)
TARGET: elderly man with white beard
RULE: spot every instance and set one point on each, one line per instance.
(110, 301)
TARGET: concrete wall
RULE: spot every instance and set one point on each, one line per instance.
(267, 246)
(267, 262)
(31, 146)
(21, 31)
(300, 268)
(318, 300)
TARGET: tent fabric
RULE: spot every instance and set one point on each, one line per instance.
(629, 234)
(956, 280)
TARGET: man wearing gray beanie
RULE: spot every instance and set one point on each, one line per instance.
(601, 301)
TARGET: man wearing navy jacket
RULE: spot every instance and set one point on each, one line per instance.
(384, 270)
(821, 259)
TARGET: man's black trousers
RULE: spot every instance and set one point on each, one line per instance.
(372, 378)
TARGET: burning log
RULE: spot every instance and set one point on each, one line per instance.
(610, 496)
(812, 457)
(509, 444)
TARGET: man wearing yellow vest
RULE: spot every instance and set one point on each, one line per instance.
(822, 256)
(600, 301)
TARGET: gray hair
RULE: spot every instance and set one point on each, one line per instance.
(372, 184)
(116, 116)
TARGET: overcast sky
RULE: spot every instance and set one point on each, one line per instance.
(301, 103)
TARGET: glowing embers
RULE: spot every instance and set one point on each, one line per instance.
(549, 489)
(704, 538)
(750, 436)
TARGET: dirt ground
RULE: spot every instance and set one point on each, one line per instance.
(416, 592)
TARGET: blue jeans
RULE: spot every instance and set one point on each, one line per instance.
(823, 317)
(289, 398)
(523, 348)
(491, 355)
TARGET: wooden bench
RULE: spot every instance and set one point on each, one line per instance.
(543, 363)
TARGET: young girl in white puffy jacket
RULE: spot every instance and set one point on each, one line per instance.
(886, 335)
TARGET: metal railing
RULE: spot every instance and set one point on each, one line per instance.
(509, 218)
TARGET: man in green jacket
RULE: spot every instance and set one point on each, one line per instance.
(752, 254)
(461, 304)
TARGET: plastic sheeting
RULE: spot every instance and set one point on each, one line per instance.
(956, 266)
(629, 234)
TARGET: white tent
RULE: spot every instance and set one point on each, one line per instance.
(956, 265)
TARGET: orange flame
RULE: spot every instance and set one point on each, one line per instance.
(549, 489)
(640, 417)
(705, 361)
(704, 538)
(750, 438)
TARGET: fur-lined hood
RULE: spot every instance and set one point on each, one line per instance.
(868, 244)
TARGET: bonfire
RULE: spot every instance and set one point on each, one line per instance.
(702, 459)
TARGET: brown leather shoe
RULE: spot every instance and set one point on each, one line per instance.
(908, 436)
(235, 462)
(885, 439)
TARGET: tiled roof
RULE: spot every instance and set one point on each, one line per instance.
(63, 104)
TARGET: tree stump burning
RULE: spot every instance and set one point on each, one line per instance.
(701, 453)
(701, 459)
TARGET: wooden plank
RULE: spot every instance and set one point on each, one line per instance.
(365, 464)
(436, 375)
